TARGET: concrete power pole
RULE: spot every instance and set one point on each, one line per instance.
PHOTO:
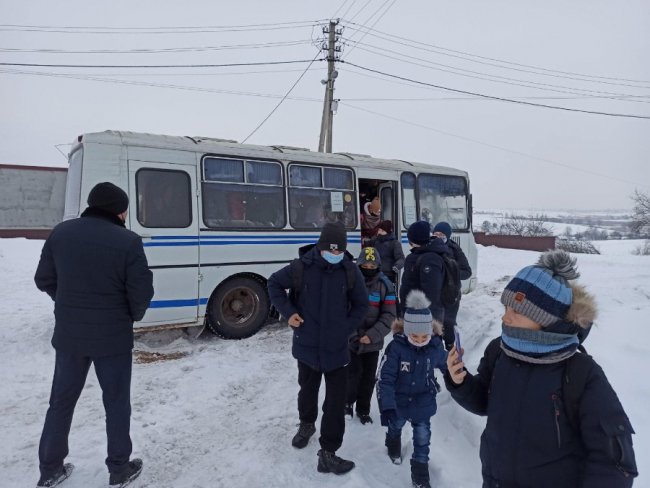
(325, 142)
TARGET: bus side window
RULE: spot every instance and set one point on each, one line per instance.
(163, 198)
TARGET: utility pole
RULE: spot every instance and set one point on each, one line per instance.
(325, 142)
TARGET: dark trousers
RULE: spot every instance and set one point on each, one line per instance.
(332, 426)
(361, 380)
(449, 324)
(114, 375)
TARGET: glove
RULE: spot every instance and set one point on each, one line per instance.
(395, 270)
(387, 416)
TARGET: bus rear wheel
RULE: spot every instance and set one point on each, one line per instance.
(238, 308)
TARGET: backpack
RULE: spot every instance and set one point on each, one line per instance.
(298, 270)
(451, 285)
(574, 379)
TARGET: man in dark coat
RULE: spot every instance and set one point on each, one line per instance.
(390, 250)
(424, 268)
(442, 230)
(323, 313)
(96, 272)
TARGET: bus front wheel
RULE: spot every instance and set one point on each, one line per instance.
(238, 308)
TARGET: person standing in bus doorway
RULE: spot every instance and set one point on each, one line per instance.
(96, 272)
(368, 340)
(442, 230)
(327, 303)
(370, 218)
(424, 268)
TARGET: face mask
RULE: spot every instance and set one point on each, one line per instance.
(369, 272)
(332, 258)
(422, 344)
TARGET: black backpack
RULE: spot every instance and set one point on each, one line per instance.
(576, 372)
(298, 270)
(451, 285)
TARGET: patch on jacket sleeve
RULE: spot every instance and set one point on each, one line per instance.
(405, 366)
(426, 269)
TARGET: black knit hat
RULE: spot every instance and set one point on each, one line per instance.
(108, 197)
(333, 237)
(419, 232)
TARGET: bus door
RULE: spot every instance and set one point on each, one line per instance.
(382, 183)
(163, 211)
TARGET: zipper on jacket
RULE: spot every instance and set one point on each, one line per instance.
(556, 408)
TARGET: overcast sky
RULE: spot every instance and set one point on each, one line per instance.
(589, 55)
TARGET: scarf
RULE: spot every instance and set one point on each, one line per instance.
(537, 346)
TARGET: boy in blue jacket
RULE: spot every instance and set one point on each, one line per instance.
(407, 387)
(547, 424)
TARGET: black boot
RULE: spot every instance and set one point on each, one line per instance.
(364, 418)
(132, 471)
(328, 462)
(305, 431)
(348, 410)
(57, 478)
(394, 445)
(420, 474)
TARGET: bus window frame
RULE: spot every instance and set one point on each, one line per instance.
(282, 186)
(355, 196)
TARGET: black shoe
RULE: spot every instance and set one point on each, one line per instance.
(328, 462)
(305, 431)
(394, 445)
(364, 418)
(420, 474)
(57, 478)
(348, 411)
(132, 471)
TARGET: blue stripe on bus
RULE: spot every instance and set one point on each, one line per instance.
(163, 241)
(190, 302)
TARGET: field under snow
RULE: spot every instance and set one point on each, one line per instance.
(224, 415)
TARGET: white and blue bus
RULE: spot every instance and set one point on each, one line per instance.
(217, 217)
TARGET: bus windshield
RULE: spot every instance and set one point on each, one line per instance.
(443, 198)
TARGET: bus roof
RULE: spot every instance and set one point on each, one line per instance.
(229, 147)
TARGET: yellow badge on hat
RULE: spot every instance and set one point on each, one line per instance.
(369, 253)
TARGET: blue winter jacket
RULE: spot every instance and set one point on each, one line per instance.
(331, 313)
(528, 440)
(406, 381)
(426, 275)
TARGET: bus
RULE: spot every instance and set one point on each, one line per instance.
(217, 218)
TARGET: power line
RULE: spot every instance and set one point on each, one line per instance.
(375, 23)
(360, 10)
(153, 84)
(493, 146)
(464, 55)
(500, 79)
(283, 99)
(348, 9)
(159, 50)
(262, 63)
(502, 99)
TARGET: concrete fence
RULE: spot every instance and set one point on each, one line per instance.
(515, 242)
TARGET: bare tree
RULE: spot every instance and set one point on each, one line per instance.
(530, 226)
(641, 217)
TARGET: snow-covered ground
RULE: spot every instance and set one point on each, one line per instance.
(224, 415)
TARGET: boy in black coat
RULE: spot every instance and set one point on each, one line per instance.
(442, 230)
(323, 314)
(531, 439)
(96, 272)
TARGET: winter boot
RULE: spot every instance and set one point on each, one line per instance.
(420, 474)
(57, 478)
(348, 411)
(132, 471)
(394, 445)
(328, 462)
(305, 431)
(364, 418)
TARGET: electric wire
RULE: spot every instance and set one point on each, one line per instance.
(375, 23)
(147, 66)
(360, 10)
(490, 145)
(468, 57)
(283, 98)
(502, 99)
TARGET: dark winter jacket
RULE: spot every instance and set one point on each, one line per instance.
(330, 312)
(459, 256)
(96, 272)
(379, 319)
(391, 253)
(427, 275)
(406, 381)
(528, 439)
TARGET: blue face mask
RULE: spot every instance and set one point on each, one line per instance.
(332, 258)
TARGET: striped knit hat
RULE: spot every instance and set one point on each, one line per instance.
(542, 292)
(417, 316)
